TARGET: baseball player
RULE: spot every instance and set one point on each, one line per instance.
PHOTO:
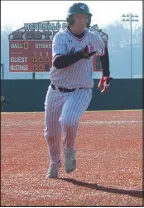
(70, 91)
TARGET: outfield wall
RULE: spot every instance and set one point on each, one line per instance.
(29, 95)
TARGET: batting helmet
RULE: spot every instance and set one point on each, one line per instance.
(77, 8)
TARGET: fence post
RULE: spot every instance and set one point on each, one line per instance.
(33, 75)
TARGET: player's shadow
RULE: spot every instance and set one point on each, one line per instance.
(94, 186)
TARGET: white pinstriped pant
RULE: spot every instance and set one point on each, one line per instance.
(62, 114)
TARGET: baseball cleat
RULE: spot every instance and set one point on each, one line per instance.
(70, 161)
(53, 170)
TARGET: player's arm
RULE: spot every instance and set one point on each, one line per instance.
(106, 79)
(62, 59)
(104, 57)
(105, 63)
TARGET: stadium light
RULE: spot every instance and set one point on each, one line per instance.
(130, 18)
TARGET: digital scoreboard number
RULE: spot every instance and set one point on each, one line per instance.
(30, 55)
(30, 47)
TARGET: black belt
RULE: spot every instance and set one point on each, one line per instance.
(63, 89)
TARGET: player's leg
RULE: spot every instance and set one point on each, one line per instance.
(73, 109)
(52, 132)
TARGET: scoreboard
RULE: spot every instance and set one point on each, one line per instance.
(30, 47)
(34, 56)
(30, 55)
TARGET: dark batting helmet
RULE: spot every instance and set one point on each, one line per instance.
(78, 8)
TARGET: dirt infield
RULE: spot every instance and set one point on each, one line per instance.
(109, 162)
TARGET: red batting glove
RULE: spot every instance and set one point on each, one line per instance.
(105, 83)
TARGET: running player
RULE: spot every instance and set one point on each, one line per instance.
(70, 91)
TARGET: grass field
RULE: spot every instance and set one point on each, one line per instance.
(109, 161)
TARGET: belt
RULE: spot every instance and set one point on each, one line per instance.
(63, 89)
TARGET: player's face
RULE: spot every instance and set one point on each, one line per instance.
(80, 21)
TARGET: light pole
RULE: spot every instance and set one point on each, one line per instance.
(130, 18)
(2, 71)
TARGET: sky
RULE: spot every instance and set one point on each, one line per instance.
(15, 13)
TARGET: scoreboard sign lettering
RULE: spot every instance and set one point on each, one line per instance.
(30, 55)
(30, 47)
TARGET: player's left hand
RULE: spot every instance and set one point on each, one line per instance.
(88, 51)
(105, 83)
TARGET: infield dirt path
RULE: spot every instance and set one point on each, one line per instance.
(109, 162)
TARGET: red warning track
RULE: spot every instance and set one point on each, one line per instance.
(109, 162)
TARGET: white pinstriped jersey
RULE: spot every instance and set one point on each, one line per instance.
(80, 73)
